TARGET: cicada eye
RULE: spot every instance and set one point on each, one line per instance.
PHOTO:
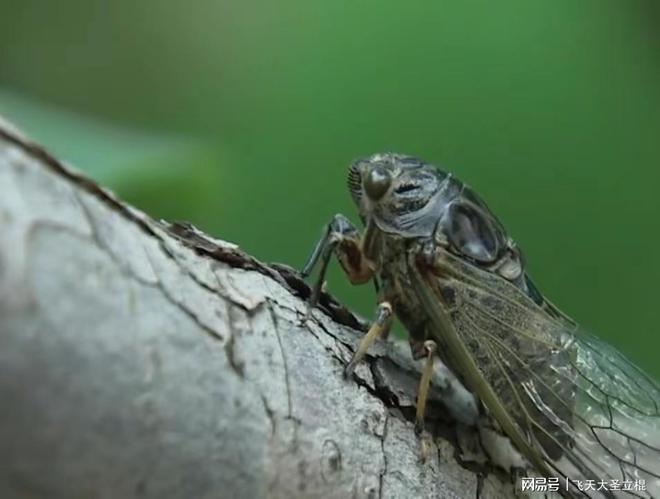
(377, 182)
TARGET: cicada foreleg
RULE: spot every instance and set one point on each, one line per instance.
(343, 239)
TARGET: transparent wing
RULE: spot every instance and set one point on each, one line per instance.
(589, 412)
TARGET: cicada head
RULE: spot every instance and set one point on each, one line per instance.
(406, 197)
(401, 194)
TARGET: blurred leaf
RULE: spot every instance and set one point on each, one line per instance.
(168, 176)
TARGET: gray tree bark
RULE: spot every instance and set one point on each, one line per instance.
(143, 359)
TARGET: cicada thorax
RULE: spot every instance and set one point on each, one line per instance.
(480, 279)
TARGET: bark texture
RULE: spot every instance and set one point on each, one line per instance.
(146, 359)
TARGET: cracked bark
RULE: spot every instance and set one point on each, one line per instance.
(145, 359)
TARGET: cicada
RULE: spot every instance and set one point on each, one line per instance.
(573, 406)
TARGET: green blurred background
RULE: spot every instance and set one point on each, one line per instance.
(243, 116)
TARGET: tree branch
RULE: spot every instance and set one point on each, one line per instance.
(142, 359)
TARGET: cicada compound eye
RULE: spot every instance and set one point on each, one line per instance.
(377, 182)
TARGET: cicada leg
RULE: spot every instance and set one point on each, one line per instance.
(380, 327)
(428, 350)
(342, 238)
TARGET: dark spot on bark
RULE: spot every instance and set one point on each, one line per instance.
(331, 460)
